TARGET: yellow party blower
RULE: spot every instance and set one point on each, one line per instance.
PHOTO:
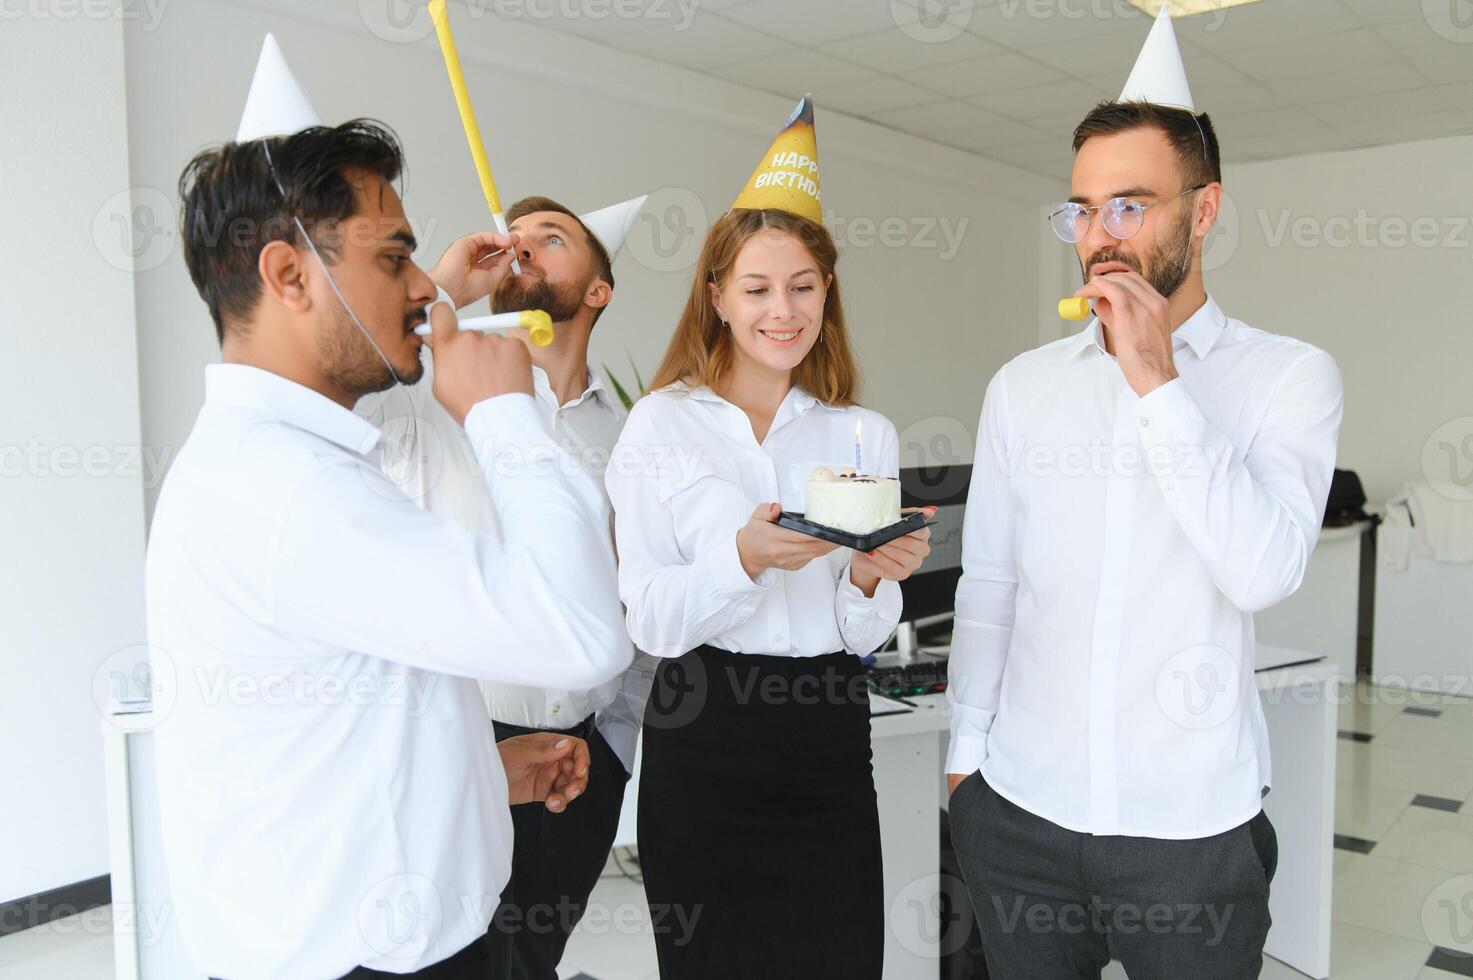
(541, 335)
(532, 321)
(1074, 308)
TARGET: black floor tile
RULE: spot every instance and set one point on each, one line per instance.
(1357, 844)
(1356, 736)
(1424, 712)
(1437, 803)
(1454, 962)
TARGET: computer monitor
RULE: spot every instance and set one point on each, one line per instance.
(932, 590)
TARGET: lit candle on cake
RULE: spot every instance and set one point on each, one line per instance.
(858, 455)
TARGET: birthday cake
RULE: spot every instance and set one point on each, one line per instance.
(847, 502)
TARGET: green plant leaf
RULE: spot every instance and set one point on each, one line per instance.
(638, 382)
(623, 395)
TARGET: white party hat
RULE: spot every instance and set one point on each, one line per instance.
(277, 105)
(1158, 75)
(611, 224)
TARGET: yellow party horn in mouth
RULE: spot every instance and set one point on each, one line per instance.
(536, 322)
(1074, 308)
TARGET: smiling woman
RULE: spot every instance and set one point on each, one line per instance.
(771, 297)
(757, 730)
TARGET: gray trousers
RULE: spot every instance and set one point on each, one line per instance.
(1053, 904)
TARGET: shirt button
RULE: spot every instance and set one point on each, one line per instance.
(778, 638)
(1145, 423)
(556, 708)
(1171, 486)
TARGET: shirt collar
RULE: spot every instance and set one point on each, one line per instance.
(595, 389)
(1202, 329)
(800, 400)
(1200, 332)
(244, 386)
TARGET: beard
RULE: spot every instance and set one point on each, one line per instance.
(525, 292)
(1164, 264)
(355, 365)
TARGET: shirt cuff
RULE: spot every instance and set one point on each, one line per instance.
(885, 604)
(966, 755)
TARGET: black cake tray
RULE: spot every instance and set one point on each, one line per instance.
(859, 542)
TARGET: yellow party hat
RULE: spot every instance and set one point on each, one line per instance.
(787, 177)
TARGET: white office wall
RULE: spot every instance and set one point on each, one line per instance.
(71, 503)
(933, 317)
(1368, 254)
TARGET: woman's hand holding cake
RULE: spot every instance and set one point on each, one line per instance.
(761, 544)
(895, 560)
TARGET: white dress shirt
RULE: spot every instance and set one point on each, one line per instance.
(431, 459)
(1114, 552)
(687, 475)
(329, 791)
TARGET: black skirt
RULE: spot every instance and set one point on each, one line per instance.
(759, 835)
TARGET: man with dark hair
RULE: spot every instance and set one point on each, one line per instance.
(330, 802)
(566, 270)
(1139, 490)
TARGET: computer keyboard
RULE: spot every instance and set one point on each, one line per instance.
(926, 676)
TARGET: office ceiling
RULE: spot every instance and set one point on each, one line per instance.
(1008, 79)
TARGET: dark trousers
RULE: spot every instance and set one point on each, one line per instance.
(1052, 903)
(759, 832)
(556, 860)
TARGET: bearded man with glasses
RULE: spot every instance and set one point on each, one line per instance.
(1139, 490)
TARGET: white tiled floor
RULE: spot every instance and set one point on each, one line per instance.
(1390, 905)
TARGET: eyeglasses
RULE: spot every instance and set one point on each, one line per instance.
(1122, 217)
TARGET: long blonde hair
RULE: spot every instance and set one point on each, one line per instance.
(701, 350)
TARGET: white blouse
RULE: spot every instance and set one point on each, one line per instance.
(686, 475)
